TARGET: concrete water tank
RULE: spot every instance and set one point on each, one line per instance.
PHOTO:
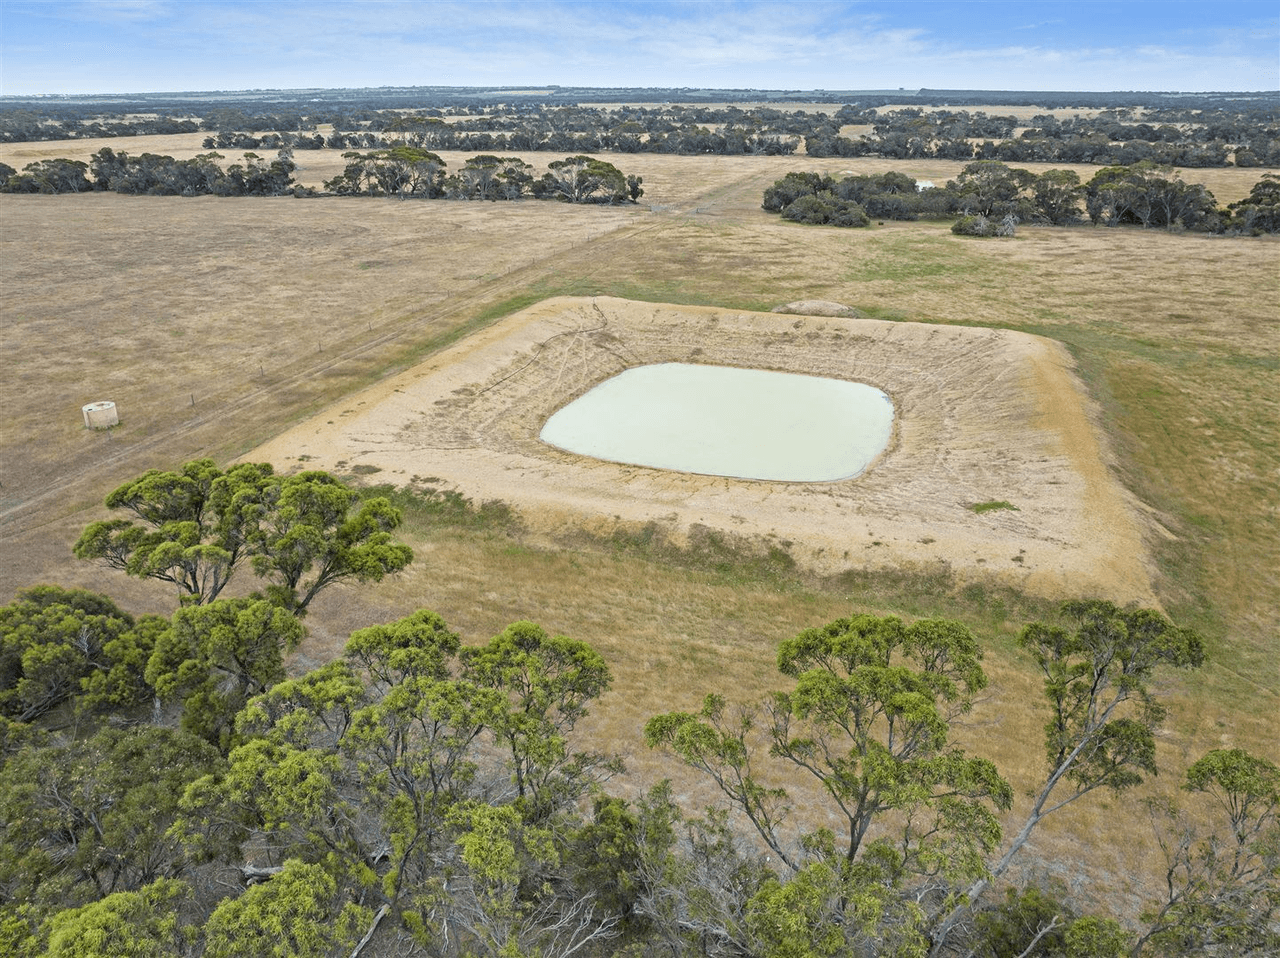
(100, 415)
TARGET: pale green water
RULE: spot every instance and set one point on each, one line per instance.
(723, 421)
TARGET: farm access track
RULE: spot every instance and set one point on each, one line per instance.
(196, 436)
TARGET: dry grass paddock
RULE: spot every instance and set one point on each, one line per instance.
(217, 324)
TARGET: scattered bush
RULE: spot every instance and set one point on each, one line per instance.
(827, 210)
(981, 507)
(979, 225)
(974, 226)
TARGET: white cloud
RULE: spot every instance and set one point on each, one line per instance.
(201, 44)
(130, 11)
(1037, 26)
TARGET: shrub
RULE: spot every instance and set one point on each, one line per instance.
(806, 209)
(979, 225)
(981, 507)
(890, 206)
(974, 226)
(825, 208)
(792, 187)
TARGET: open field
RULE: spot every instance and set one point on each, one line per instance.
(217, 324)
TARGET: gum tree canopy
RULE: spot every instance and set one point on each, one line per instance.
(868, 719)
(56, 643)
(585, 179)
(1098, 668)
(195, 526)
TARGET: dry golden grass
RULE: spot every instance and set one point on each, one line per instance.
(215, 323)
(178, 310)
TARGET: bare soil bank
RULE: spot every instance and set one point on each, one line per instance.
(983, 415)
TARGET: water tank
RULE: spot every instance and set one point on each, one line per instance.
(100, 415)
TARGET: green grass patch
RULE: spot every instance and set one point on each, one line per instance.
(432, 345)
(669, 289)
(427, 507)
(505, 307)
(736, 559)
(899, 258)
(1192, 444)
(991, 505)
(929, 590)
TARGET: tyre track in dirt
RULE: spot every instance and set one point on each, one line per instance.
(195, 437)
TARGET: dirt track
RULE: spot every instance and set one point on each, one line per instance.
(983, 415)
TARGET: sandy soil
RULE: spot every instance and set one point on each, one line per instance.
(982, 415)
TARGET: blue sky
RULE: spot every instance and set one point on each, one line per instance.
(132, 46)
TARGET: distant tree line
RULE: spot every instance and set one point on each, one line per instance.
(473, 99)
(989, 192)
(417, 172)
(154, 175)
(1214, 135)
(29, 126)
(402, 171)
(566, 130)
(1112, 138)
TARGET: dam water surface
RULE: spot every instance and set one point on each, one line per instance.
(725, 421)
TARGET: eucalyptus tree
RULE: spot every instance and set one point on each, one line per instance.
(584, 179)
(989, 187)
(868, 722)
(1259, 212)
(57, 643)
(1056, 195)
(431, 780)
(1098, 671)
(213, 658)
(313, 531)
(397, 170)
(190, 527)
(489, 177)
(1149, 194)
(302, 912)
(141, 924)
(84, 819)
(547, 684)
(196, 526)
(1222, 882)
(49, 176)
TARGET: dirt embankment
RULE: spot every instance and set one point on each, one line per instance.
(982, 416)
